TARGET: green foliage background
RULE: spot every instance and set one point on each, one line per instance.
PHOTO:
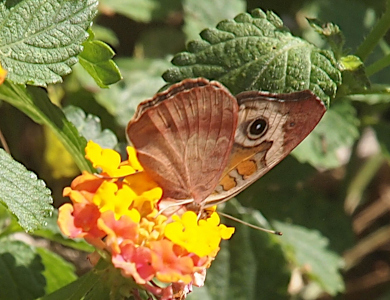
(329, 198)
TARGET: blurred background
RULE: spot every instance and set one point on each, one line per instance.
(342, 196)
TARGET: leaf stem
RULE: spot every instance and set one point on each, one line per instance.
(376, 34)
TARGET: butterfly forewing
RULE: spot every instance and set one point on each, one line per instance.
(184, 139)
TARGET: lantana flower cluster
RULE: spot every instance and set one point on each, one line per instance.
(116, 211)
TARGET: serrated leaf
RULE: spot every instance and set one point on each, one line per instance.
(200, 14)
(255, 52)
(96, 59)
(35, 103)
(58, 272)
(26, 197)
(89, 127)
(21, 271)
(308, 248)
(337, 129)
(141, 80)
(40, 39)
(142, 11)
(8, 223)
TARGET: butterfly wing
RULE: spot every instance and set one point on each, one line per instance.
(269, 127)
(184, 136)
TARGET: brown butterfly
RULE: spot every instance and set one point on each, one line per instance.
(204, 146)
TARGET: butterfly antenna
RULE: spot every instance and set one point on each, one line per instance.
(250, 225)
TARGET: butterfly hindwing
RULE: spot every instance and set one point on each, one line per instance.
(269, 127)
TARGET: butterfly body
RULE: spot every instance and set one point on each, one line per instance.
(202, 144)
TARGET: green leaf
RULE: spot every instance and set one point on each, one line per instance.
(90, 128)
(142, 11)
(21, 271)
(58, 272)
(102, 283)
(255, 52)
(35, 103)
(141, 80)
(8, 223)
(292, 191)
(25, 196)
(200, 14)
(308, 248)
(250, 266)
(40, 39)
(96, 59)
(354, 74)
(81, 289)
(272, 274)
(337, 129)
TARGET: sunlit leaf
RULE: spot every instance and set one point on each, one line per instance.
(40, 39)
(26, 197)
(256, 52)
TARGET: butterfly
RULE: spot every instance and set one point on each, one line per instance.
(203, 146)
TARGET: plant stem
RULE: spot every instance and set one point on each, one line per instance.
(360, 182)
(378, 65)
(376, 34)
